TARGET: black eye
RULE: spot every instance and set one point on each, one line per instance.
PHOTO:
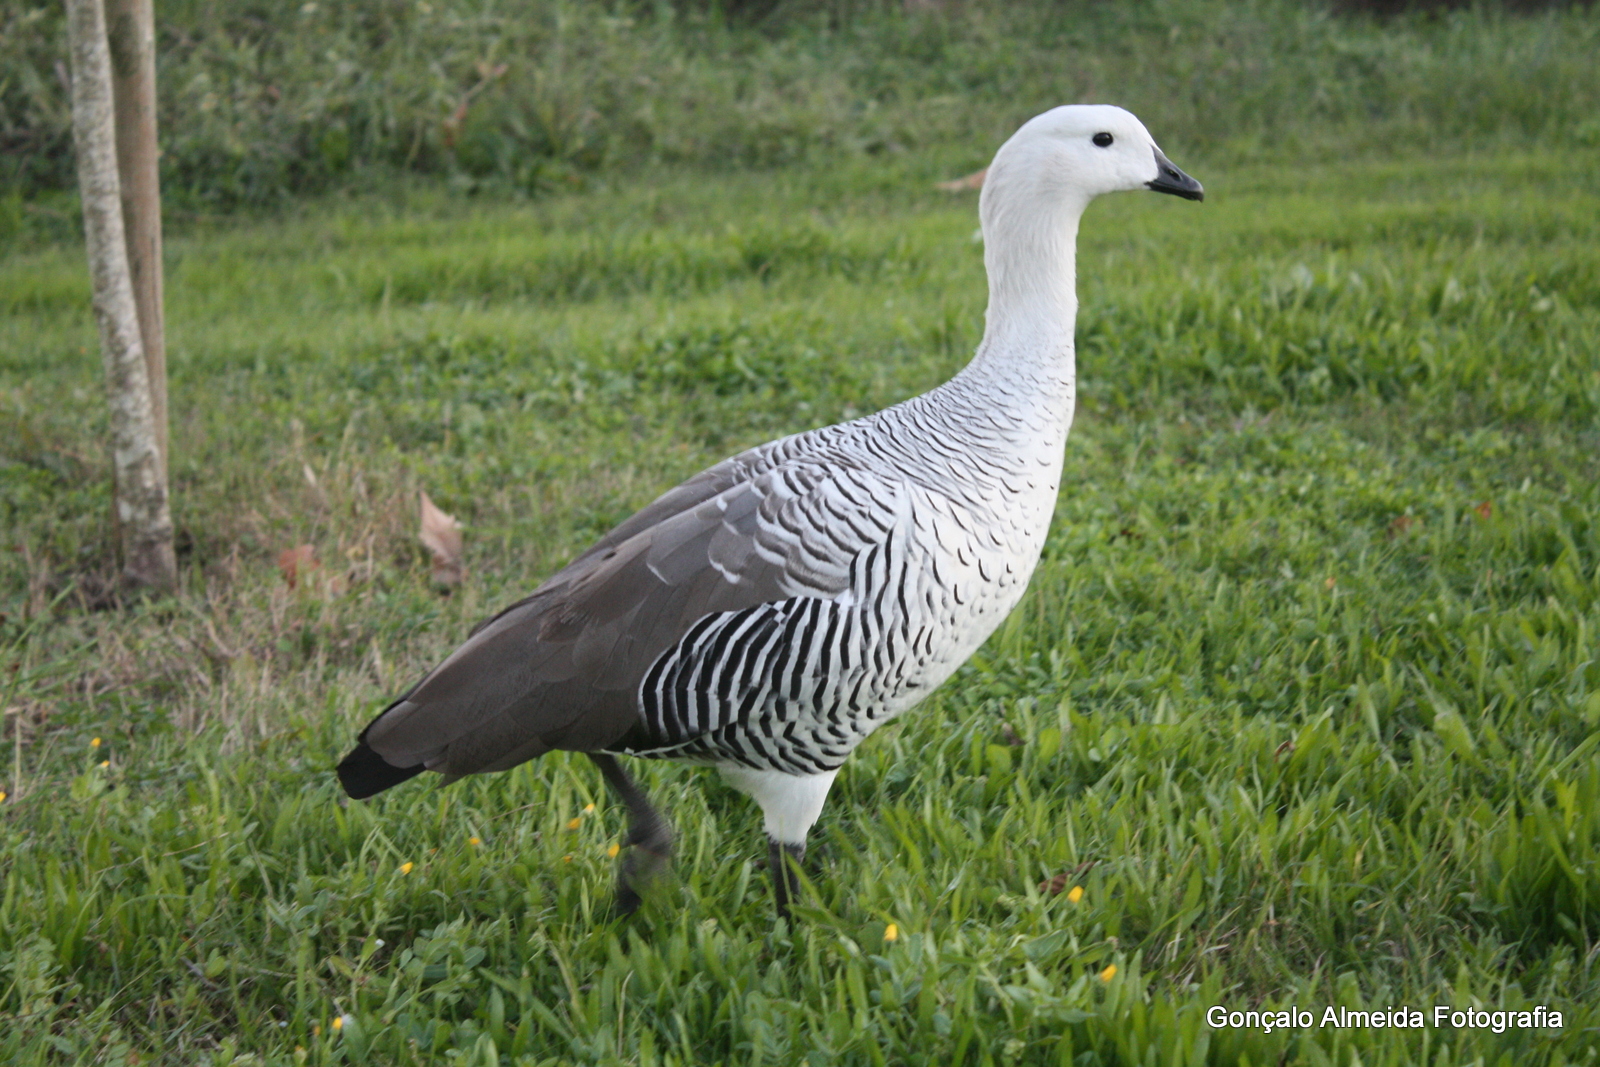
(1102, 140)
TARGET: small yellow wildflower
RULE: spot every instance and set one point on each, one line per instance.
(587, 808)
(338, 1022)
(891, 932)
(95, 743)
(1075, 894)
(316, 1029)
(474, 841)
(105, 763)
(612, 851)
(1109, 973)
(567, 858)
(574, 824)
(405, 868)
(2, 796)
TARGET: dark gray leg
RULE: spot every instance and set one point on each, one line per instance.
(785, 863)
(649, 837)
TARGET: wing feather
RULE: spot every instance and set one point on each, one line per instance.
(562, 668)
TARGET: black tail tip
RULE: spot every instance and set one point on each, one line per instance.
(364, 773)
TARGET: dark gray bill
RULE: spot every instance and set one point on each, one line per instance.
(1170, 179)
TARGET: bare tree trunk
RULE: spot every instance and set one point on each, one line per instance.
(132, 36)
(146, 523)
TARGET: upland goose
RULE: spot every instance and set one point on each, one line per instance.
(768, 614)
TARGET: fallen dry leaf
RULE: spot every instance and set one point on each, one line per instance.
(441, 533)
(1485, 509)
(1056, 885)
(1403, 525)
(297, 561)
(961, 185)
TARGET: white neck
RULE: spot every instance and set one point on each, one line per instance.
(1030, 253)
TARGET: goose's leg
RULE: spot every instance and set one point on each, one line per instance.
(790, 804)
(784, 859)
(649, 836)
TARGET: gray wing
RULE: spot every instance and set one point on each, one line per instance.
(736, 470)
(562, 668)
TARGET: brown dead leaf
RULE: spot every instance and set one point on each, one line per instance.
(1057, 884)
(1403, 525)
(961, 185)
(441, 534)
(1485, 509)
(295, 562)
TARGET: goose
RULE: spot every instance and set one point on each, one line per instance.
(768, 614)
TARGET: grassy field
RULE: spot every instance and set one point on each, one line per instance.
(1304, 697)
(264, 101)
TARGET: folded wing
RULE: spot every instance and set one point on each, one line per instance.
(562, 668)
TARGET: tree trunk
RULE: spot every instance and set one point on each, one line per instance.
(141, 489)
(132, 37)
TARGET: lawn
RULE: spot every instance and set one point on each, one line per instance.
(1300, 709)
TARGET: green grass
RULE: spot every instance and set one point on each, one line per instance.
(266, 100)
(1306, 687)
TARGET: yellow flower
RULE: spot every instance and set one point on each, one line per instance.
(891, 932)
(612, 851)
(575, 823)
(474, 841)
(567, 858)
(95, 743)
(587, 808)
(105, 763)
(2, 796)
(316, 1029)
(1109, 973)
(338, 1022)
(1075, 894)
(405, 868)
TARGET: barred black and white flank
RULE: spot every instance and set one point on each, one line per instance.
(768, 614)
